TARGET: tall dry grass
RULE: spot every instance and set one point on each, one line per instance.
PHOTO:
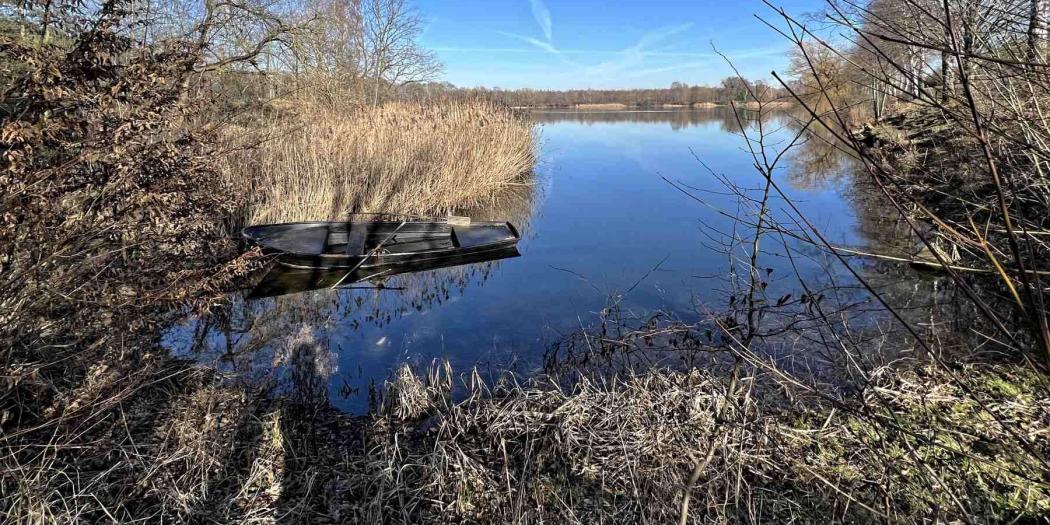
(628, 449)
(320, 163)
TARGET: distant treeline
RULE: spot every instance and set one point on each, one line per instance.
(732, 89)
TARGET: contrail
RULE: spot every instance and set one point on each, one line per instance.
(542, 16)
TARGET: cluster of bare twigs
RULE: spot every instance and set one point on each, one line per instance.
(976, 197)
(112, 219)
(98, 215)
(971, 81)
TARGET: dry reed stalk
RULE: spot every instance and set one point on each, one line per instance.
(402, 158)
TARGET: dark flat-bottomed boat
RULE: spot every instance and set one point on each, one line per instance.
(364, 244)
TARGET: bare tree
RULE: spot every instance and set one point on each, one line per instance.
(232, 33)
(1037, 29)
(335, 34)
(390, 48)
(995, 107)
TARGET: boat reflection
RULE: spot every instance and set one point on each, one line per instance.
(284, 281)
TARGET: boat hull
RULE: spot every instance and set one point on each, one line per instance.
(309, 245)
(339, 262)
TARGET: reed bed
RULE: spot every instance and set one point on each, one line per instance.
(316, 163)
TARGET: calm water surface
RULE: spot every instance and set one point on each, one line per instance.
(599, 218)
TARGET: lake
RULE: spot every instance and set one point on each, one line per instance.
(606, 222)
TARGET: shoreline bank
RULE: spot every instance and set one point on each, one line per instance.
(752, 105)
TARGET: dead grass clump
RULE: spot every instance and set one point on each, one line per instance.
(318, 163)
(408, 396)
(616, 451)
(942, 447)
(915, 447)
(195, 442)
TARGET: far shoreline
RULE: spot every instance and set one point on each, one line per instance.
(612, 106)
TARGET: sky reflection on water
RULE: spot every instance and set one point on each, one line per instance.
(599, 218)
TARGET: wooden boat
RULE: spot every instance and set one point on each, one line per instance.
(284, 281)
(371, 244)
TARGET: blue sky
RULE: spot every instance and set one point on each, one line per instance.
(562, 44)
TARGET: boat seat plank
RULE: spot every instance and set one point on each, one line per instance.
(337, 238)
(355, 240)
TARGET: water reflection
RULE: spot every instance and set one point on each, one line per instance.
(294, 334)
(818, 161)
(595, 224)
(678, 119)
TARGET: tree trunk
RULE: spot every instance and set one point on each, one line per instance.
(146, 23)
(915, 73)
(22, 20)
(875, 106)
(46, 23)
(375, 95)
(1037, 29)
(382, 66)
(967, 48)
(947, 79)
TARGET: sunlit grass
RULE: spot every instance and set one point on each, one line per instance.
(320, 164)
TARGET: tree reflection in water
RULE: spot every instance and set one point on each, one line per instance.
(816, 165)
(678, 119)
